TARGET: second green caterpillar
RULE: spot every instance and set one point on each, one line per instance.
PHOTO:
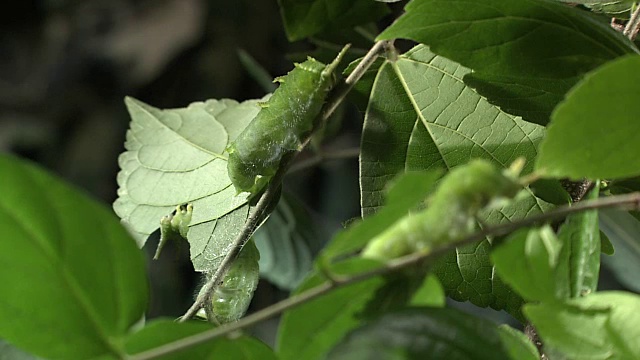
(451, 212)
(281, 125)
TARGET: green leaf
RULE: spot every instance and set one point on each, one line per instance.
(161, 332)
(288, 243)
(310, 330)
(72, 279)
(432, 333)
(303, 18)
(529, 261)
(604, 325)
(422, 116)
(623, 230)
(607, 96)
(430, 293)
(176, 156)
(525, 54)
(404, 193)
(580, 236)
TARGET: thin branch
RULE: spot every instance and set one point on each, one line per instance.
(631, 201)
(266, 198)
(324, 156)
(236, 246)
(633, 25)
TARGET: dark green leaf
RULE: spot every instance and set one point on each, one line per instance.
(312, 329)
(433, 333)
(580, 236)
(624, 232)
(404, 194)
(288, 243)
(608, 94)
(529, 261)
(525, 54)
(161, 332)
(551, 191)
(72, 279)
(176, 156)
(603, 325)
(303, 18)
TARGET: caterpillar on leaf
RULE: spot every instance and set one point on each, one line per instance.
(451, 212)
(231, 298)
(282, 124)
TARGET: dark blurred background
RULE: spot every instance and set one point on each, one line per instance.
(66, 65)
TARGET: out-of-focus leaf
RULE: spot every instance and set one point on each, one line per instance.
(623, 230)
(432, 333)
(72, 280)
(607, 93)
(161, 332)
(177, 156)
(529, 261)
(309, 331)
(430, 293)
(580, 236)
(303, 18)
(404, 194)
(288, 243)
(603, 325)
(525, 54)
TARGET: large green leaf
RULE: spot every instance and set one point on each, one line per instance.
(526, 54)
(433, 333)
(623, 230)
(422, 116)
(72, 279)
(603, 325)
(304, 18)
(310, 330)
(177, 156)
(161, 332)
(580, 236)
(603, 108)
(288, 243)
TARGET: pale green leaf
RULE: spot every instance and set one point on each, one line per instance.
(288, 243)
(618, 8)
(176, 156)
(603, 108)
(603, 325)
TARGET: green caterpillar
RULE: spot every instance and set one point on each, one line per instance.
(232, 297)
(281, 125)
(451, 212)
